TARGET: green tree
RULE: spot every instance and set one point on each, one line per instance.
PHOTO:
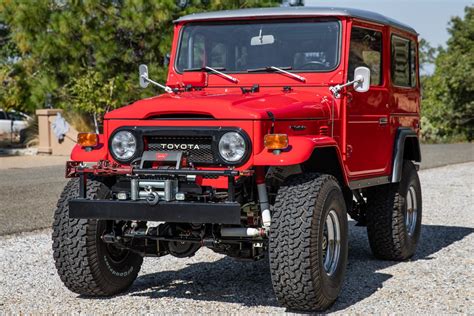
(13, 87)
(448, 104)
(427, 53)
(85, 54)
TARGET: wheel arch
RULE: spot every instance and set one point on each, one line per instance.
(328, 160)
(406, 147)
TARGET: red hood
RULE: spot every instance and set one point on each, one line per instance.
(294, 105)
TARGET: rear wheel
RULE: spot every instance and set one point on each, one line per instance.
(308, 242)
(394, 216)
(86, 264)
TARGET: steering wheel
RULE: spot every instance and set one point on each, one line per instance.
(313, 63)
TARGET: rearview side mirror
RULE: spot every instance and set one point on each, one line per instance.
(361, 79)
(143, 70)
(145, 81)
(166, 59)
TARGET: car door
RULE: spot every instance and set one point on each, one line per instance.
(367, 132)
(5, 123)
(19, 121)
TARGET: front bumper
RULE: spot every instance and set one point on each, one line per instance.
(162, 210)
(176, 212)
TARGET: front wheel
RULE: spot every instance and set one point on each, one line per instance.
(86, 264)
(308, 242)
(394, 216)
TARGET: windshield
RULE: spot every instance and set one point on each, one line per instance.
(240, 47)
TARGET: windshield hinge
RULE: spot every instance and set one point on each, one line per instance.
(253, 89)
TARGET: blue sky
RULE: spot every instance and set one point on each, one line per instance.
(428, 17)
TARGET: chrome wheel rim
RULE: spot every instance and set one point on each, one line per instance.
(331, 243)
(411, 213)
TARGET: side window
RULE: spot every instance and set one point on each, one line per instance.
(404, 62)
(366, 51)
(413, 64)
(15, 116)
(3, 115)
(400, 69)
(192, 53)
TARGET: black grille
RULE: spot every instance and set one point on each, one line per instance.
(198, 148)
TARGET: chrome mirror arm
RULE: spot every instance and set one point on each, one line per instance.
(166, 88)
(336, 90)
(144, 80)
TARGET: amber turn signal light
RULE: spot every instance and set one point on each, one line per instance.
(276, 141)
(87, 139)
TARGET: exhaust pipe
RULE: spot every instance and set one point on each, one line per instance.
(242, 232)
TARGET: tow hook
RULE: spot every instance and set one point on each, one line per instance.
(153, 198)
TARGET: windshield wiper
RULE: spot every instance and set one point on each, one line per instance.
(214, 70)
(202, 69)
(282, 70)
(268, 68)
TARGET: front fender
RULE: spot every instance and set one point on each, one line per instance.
(299, 150)
(97, 153)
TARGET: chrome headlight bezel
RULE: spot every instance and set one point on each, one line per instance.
(244, 143)
(128, 158)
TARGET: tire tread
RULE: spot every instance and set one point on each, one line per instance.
(294, 271)
(386, 220)
(75, 245)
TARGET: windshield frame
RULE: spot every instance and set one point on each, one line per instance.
(267, 20)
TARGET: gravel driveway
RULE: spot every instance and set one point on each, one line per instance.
(439, 279)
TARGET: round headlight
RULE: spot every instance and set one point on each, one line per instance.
(232, 147)
(123, 145)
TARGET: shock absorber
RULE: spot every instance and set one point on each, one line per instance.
(264, 208)
(263, 198)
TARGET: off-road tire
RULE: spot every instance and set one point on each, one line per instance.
(295, 246)
(85, 264)
(386, 217)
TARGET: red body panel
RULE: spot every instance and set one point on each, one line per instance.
(351, 124)
(230, 105)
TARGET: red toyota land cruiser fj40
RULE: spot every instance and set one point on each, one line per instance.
(276, 123)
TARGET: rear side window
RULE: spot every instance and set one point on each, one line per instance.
(366, 51)
(404, 67)
(3, 115)
(15, 116)
(413, 63)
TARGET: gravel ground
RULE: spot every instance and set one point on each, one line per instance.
(439, 279)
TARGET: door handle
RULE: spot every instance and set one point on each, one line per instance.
(383, 121)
